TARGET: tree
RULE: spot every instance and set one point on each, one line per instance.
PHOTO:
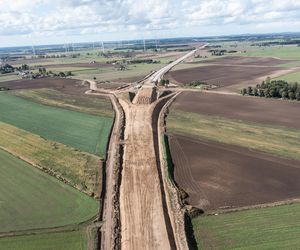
(24, 67)
(162, 82)
(62, 74)
(292, 95)
(283, 93)
(6, 68)
(267, 93)
(244, 91)
(297, 95)
(249, 90)
(255, 92)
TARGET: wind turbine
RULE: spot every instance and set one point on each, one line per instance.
(144, 45)
(33, 50)
(102, 47)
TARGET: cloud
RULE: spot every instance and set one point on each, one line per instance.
(81, 17)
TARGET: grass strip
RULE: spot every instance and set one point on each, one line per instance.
(280, 141)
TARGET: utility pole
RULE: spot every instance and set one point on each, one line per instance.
(144, 45)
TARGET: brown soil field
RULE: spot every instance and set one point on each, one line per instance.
(241, 60)
(223, 76)
(63, 84)
(217, 175)
(253, 109)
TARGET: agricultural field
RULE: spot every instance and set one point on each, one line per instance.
(233, 133)
(291, 77)
(263, 228)
(61, 84)
(132, 73)
(223, 76)
(74, 240)
(283, 52)
(251, 109)
(232, 153)
(229, 73)
(5, 78)
(93, 105)
(85, 132)
(221, 176)
(79, 169)
(35, 200)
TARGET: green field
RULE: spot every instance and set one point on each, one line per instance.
(283, 52)
(81, 169)
(52, 241)
(112, 74)
(291, 77)
(94, 105)
(5, 78)
(85, 132)
(281, 141)
(263, 228)
(31, 199)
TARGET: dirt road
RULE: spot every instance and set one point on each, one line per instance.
(144, 220)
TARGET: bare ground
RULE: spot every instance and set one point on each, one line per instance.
(253, 109)
(65, 85)
(224, 76)
(143, 221)
(217, 175)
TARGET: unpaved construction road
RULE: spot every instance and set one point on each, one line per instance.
(143, 216)
(144, 225)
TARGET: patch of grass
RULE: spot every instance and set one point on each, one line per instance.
(93, 105)
(85, 132)
(5, 78)
(59, 241)
(283, 52)
(263, 228)
(277, 140)
(31, 199)
(112, 74)
(80, 169)
(291, 77)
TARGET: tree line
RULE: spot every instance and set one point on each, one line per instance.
(274, 89)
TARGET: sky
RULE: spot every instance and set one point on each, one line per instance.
(35, 22)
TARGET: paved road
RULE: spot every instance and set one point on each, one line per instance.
(160, 73)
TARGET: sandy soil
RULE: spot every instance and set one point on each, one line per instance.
(143, 221)
(217, 175)
(253, 109)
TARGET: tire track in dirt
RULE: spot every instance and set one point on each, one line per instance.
(143, 222)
